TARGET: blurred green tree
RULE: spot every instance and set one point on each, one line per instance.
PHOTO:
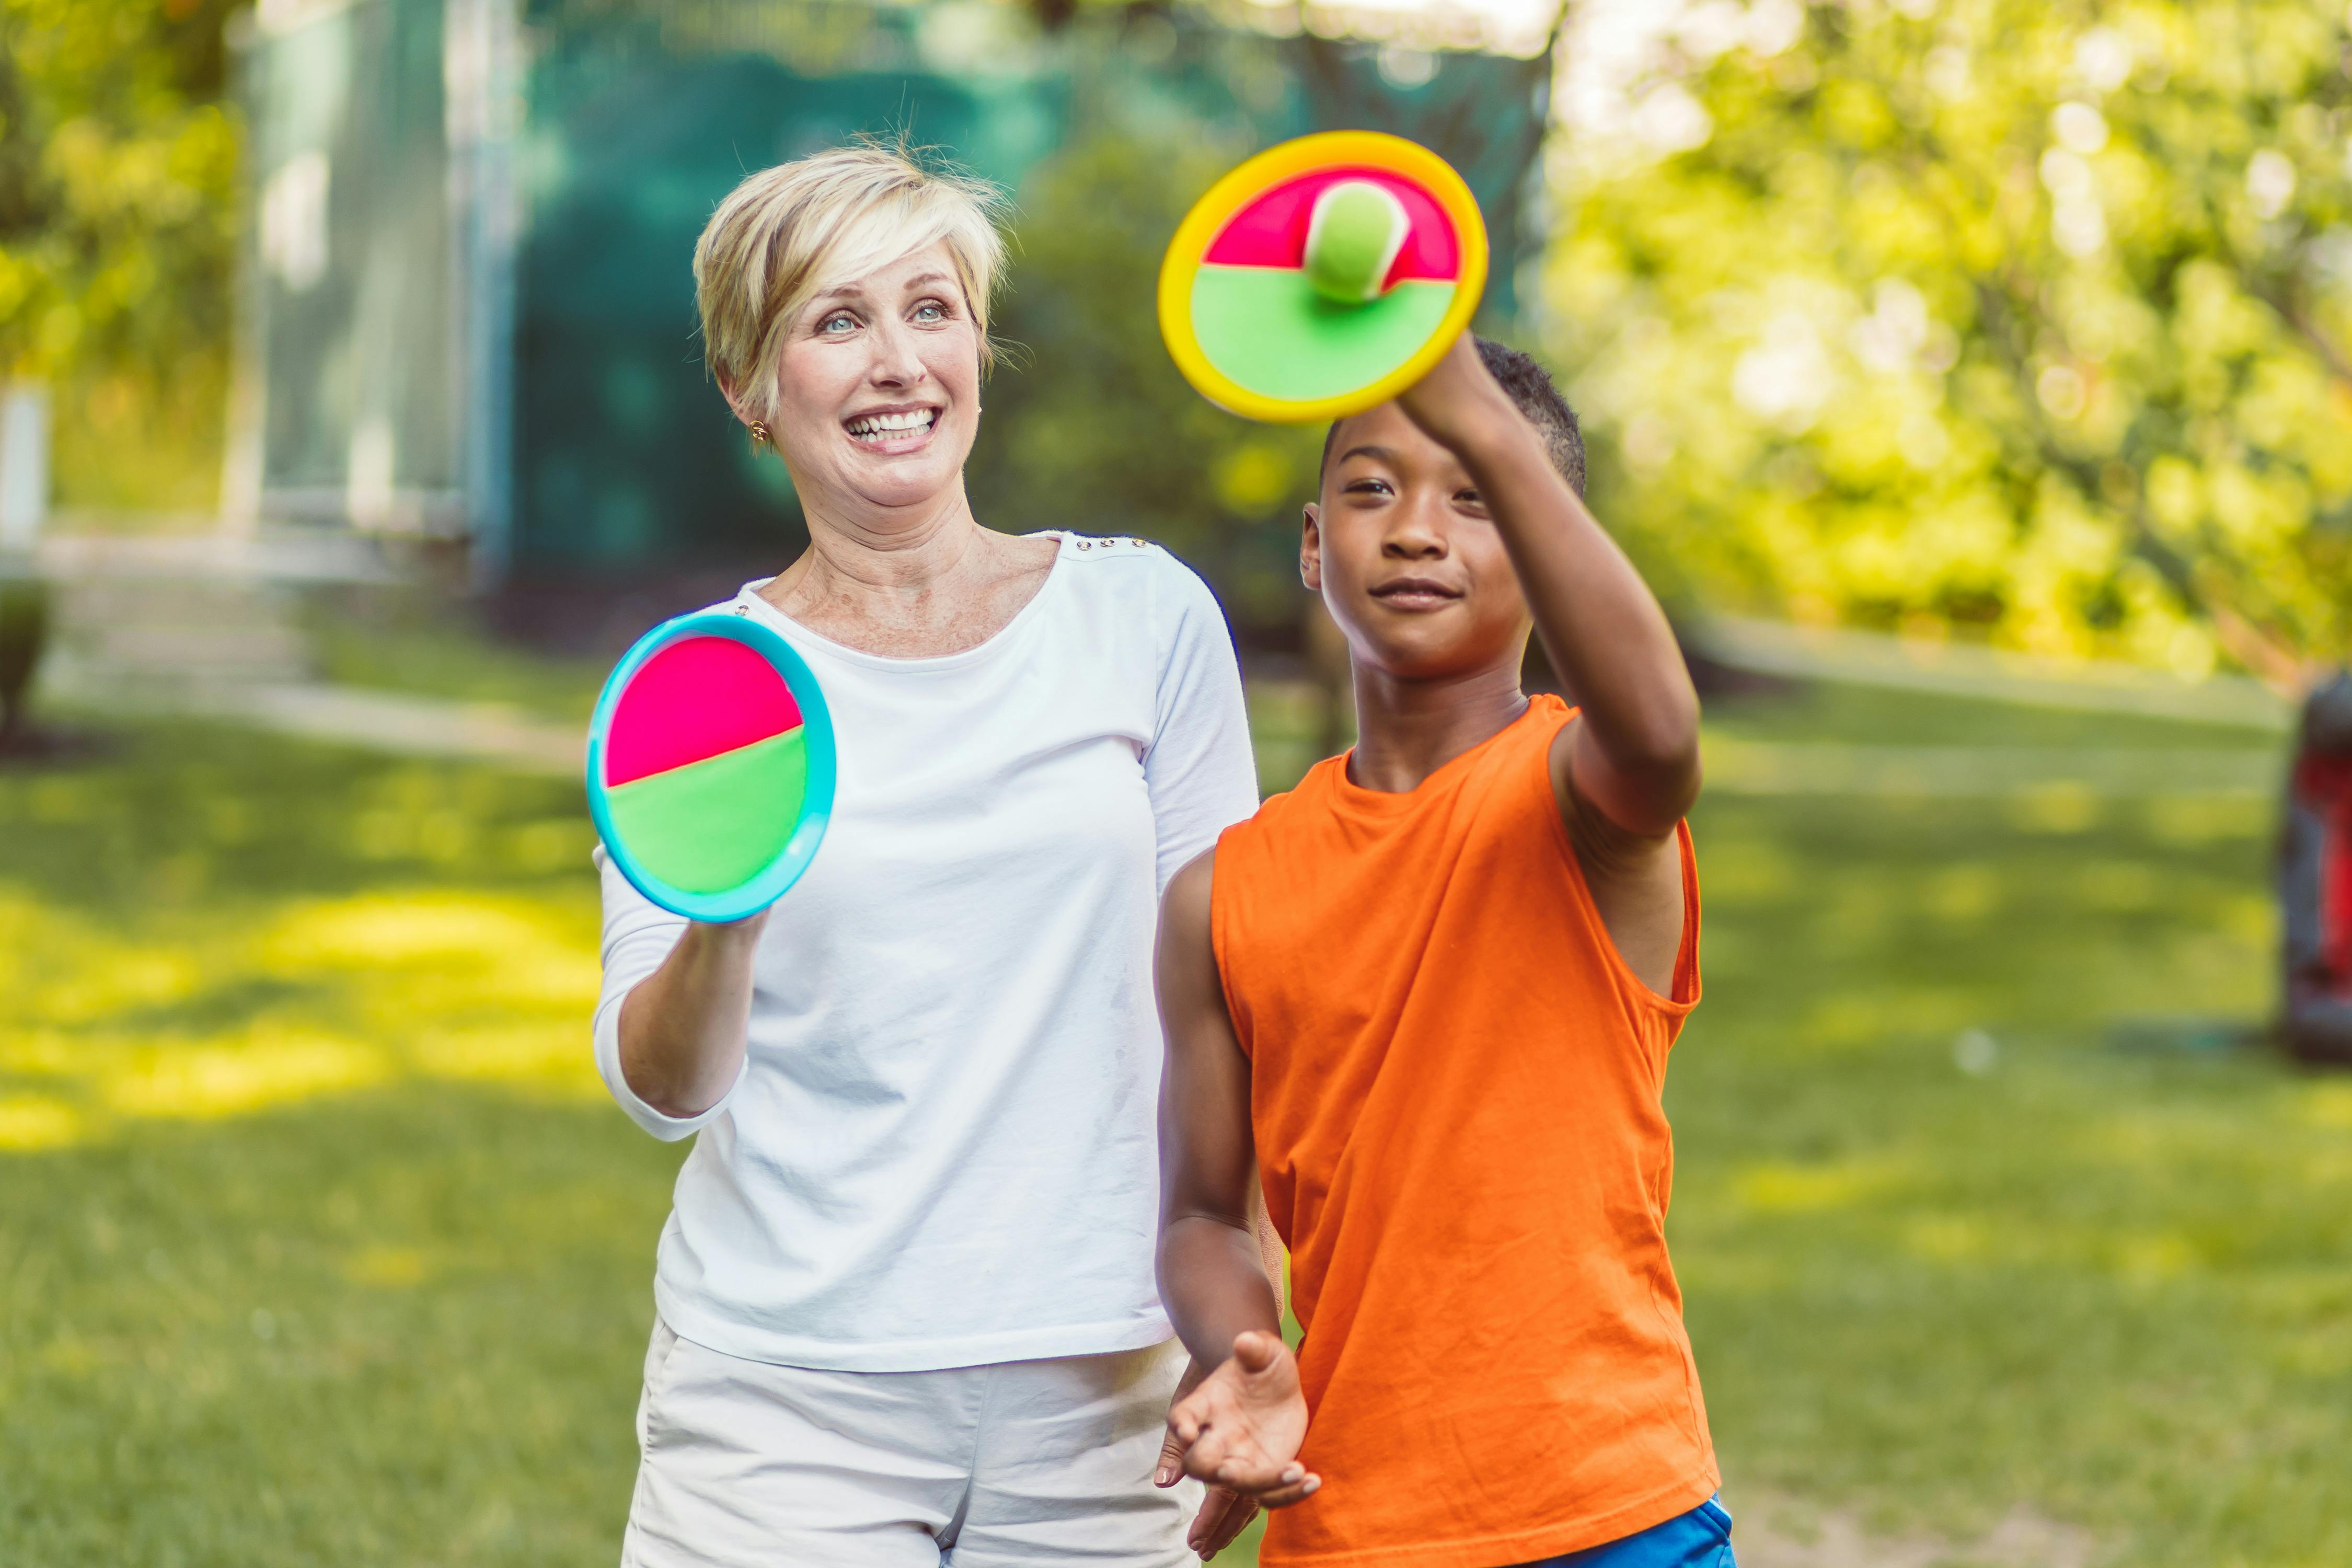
(117, 235)
(2029, 317)
(1094, 429)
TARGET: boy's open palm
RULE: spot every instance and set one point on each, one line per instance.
(1242, 1428)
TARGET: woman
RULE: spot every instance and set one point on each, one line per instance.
(905, 1303)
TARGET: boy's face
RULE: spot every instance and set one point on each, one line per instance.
(1405, 557)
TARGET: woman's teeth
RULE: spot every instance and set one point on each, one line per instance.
(868, 426)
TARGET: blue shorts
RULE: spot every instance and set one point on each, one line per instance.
(1699, 1539)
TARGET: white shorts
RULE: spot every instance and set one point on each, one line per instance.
(746, 1465)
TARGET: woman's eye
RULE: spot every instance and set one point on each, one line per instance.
(931, 310)
(840, 322)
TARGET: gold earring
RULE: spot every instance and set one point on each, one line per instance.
(759, 437)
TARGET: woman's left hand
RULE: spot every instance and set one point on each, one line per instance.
(1224, 1513)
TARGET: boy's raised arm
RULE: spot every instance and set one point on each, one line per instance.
(1241, 1428)
(1634, 755)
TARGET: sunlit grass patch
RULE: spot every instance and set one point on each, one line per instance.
(1782, 1187)
(2328, 1105)
(283, 1000)
(397, 1267)
(214, 924)
(34, 1122)
(262, 1072)
(316, 1243)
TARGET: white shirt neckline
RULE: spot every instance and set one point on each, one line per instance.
(996, 643)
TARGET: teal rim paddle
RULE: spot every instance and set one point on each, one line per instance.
(711, 765)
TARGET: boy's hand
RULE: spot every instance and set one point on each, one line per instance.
(1459, 401)
(1224, 1513)
(1242, 1428)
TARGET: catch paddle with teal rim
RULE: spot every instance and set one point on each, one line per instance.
(711, 766)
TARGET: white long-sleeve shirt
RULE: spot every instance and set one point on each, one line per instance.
(941, 1149)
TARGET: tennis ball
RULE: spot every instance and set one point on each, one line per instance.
(1352, 239)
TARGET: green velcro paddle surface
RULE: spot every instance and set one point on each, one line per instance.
(1269, 329)
(714, 825)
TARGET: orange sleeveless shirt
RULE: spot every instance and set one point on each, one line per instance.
(1455, 1086)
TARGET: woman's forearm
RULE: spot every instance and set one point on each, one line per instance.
(682, 1027)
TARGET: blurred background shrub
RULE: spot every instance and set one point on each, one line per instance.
(117, 228)
(2032, 321)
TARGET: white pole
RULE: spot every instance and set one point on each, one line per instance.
(24, 464)
(481, 68)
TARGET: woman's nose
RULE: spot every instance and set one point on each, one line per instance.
(896, 363)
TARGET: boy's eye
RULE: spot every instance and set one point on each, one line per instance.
(1367, 488)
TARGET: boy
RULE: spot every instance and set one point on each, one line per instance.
(1427, 998)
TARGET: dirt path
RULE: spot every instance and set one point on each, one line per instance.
(1775, 1532)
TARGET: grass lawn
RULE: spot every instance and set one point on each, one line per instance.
(319, 1242)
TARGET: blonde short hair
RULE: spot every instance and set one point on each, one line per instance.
(786, 233)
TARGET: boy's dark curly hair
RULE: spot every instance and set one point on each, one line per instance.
(1529, 388)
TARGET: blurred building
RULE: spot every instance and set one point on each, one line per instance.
(467, 312)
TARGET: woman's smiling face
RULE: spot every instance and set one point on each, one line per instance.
(879, 385)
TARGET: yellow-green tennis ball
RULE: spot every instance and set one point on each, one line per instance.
(1352, 239)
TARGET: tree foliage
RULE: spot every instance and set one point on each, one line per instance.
(2026, 316)
(116, 166)
(117, 162)
(1091, 420)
